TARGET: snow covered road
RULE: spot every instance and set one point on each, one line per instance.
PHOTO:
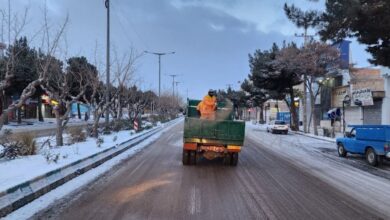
(266, 184)
(351, 175)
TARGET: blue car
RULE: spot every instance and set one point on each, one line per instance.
(373, 141)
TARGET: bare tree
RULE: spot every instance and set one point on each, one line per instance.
(137, 101)
(124, 70)
(97, 102)
(96, 99)
(17, 25)
(60, 94)
(167, 107)
(318, 60)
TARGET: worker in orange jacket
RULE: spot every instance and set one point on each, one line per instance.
(208, 106)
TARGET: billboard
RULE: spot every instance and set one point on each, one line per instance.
(362, 95)
(338, 95)
(284, 116)
(343, 47)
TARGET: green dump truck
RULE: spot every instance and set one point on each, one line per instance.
(210, 139)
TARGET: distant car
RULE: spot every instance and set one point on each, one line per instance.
(277, 127)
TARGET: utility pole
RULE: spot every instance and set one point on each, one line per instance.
(159, 67)
(107, 121)
(9, 22)
(173, 84)
(304, 101)
(2, 44)
(177, 91)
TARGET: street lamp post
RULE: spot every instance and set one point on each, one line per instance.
(346, 101)
(159, 67)
(360, 103)
(107, 113)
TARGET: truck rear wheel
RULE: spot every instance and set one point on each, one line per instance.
(192, 157)
(234, 159)
(371, 157)
(186, 156)
(227, 159)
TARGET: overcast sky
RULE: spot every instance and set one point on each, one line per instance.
(211, 38)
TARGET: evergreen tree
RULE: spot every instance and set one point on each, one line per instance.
(19, 63)
(367, 20)
(277, 72)
(79, 69)
(302, 19)
(22, 64)
(256, 95)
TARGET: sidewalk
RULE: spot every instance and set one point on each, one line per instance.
(329, 139)
(300, 132)
(320, 136)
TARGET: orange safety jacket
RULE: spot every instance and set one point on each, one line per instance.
(207, 107)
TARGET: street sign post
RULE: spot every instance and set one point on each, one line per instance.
(135, 125)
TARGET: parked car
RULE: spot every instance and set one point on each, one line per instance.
(373, 141)
(277, 127)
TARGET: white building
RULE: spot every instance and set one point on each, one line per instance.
(385, 72)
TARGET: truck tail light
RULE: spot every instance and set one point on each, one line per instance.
(233, 148)
(387, 147)
(190, 146)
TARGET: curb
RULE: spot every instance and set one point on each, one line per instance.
(318, 138)
(21, 194)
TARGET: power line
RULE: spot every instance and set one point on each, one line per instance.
(173, 83)
(119, 13)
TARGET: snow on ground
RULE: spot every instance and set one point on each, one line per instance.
(319, 158)
(13, 172)
(49, 198)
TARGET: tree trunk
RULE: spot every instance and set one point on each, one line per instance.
(119, 108)
(78, 110)
(293, 112)
(59, 131)
(95, 127)
(261, 113)
(5, 112)
(314, 119)
(4, 117)
(19, 115)
(40, 115)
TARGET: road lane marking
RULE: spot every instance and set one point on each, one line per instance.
(194, 206)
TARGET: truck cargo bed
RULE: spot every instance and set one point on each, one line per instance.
(214, 132)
